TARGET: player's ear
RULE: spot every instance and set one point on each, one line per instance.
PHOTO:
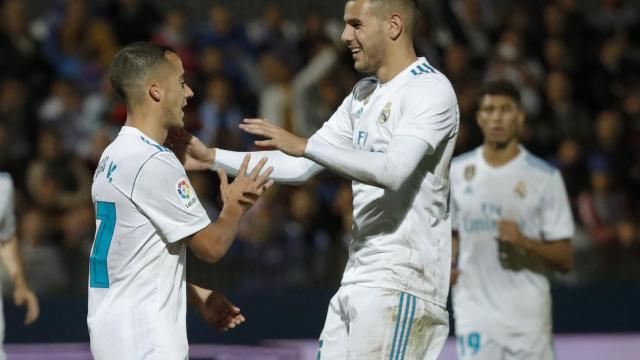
(395, 26)
(521, 118)
(155, 92)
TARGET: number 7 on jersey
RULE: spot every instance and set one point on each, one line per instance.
(98, 275)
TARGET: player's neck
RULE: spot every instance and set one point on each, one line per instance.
(396, 61)
(148, 124)
(497, 154)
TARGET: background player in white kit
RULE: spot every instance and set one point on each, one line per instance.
(11, 259)
(513, 223)
(147, 213)
(394, 137)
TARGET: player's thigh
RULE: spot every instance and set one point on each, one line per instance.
(333, 339)
(478, 345)
(388, 324)
(429, 332)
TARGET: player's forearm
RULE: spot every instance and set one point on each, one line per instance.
(557, 254)
(12, 261)
(212, 243)
(385, 170)
(196, 296)
(226, 228)
(286, 169)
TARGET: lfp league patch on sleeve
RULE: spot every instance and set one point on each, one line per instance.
(185, 192)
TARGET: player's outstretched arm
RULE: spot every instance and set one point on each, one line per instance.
(214, 307)
(22, 295)
(386, 170)
(276, 137)
(194, 155)
(212, 242)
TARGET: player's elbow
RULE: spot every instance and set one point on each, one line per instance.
(394, 185)
(210, 256)
(205, 249)
(214, 256)
(387, 182)
(393, 175)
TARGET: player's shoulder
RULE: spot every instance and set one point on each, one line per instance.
(538, 165)
(124, 158)
(135, 148)
(423, 76)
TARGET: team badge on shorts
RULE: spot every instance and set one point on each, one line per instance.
(384, 114)
(185, 193)
(520, 190)
(469, 172)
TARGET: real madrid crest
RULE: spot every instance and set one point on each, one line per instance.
(520, 190)
(469, 172)
(384, 114)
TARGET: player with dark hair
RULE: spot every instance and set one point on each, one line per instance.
(512, 223)
(147, 213)
(393, 136)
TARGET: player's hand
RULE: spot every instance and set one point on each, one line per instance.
(218, 311)
(509, 232)
(276, 137)
(246, 188)
(23, 296)
(193, 154)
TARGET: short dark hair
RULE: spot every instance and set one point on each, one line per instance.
(133, 63)
(501, 87)
(410, 8)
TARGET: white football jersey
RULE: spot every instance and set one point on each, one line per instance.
(401, 239)
(145, 206)
(7, 215)
(502, 289)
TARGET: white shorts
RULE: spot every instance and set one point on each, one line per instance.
(374, 323)
(478, 345)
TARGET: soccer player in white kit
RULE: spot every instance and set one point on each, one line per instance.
(147, 212)
(512, 223)
(394, 137)
(11, 259)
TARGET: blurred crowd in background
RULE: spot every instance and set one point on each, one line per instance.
(576, 63)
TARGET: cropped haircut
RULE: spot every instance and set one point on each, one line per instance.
(503, 88)
(408, 8)
(132, 65)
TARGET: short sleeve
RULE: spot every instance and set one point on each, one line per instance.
(7, 214)
(338, 130)
(557, 220)
(429, 112)
(164, 194)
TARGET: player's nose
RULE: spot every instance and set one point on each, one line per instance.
(347, 35)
